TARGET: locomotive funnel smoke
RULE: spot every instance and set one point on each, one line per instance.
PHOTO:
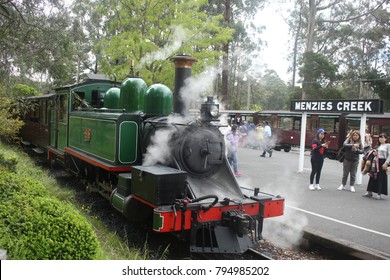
(178, 37)
(159, 151)
(195, 86)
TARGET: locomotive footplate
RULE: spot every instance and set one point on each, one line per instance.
(236, 223)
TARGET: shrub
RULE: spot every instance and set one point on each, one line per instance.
(8, 162)
(9, 126)
(11, 186)
(35, 226)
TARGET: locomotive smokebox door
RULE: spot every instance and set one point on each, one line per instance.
(158, 184)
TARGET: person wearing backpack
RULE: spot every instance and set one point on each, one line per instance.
(318, 149)
(353, 148)
(378, 171)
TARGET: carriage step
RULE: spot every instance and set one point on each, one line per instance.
(26, 143)
(38, 150)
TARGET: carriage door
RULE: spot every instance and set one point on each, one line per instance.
(59, 122)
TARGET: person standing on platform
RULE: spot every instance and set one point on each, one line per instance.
(318, 149)
(353, 148)
(232, 144)
(243, 135)
(367, 142)
(267, 135)
(378, 173)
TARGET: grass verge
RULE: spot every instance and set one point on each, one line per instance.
(112, 246)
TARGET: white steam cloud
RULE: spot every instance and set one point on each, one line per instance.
(285, 231)
(179, 36)
(158, 151)
(196, 87)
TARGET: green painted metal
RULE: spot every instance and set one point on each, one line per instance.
(132, 94)
(111, 137)
(101, 141)
(128, 130)
(92, 93)
(62, 135)
(157, 221)
(111, 98)
(158, 100)
(118, 201)
(53, 121)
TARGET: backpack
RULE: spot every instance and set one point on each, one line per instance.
(341, 154)
(366, 163)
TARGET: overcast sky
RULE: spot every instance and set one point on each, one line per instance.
(276, 35)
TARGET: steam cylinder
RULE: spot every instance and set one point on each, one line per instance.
(158, 100)
(111, 98)
(132, 94)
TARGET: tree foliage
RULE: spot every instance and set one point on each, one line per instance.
(149, 32)
(352, 35)
(20, 90)
(33, 36)
(271, 92)
(9, 126)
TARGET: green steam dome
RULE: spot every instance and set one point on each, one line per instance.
(158, 100)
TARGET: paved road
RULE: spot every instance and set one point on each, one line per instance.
(343, 215)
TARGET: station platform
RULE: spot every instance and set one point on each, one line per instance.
(342, 216)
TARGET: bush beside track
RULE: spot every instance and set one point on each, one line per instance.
(36, 225)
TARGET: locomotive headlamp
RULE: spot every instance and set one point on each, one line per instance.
(214, 111)
(209, 110)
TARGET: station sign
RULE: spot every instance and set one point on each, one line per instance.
(364, 106)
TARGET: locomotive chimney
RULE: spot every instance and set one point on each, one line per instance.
(183, 66)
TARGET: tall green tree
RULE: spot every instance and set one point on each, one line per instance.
(148, 32)
(240, 51)
(33, 39)
(332, 28)
(270, 92)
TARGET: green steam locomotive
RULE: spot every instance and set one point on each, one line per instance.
(133, 145)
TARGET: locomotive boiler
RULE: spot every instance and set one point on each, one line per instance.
(137, 148)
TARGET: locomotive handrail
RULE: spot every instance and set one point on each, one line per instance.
(205, 208)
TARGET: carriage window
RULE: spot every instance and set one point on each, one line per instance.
(329, 124)
(288, 123)
(375, 130)
(44, 112)
(63, 108)
(97, 99)
(78, 98)
(353, 124)
(34, 115)
(264, 118)
(297, 124)
(386, 129)
(314, 125)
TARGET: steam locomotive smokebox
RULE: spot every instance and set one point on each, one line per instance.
(158, 184)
